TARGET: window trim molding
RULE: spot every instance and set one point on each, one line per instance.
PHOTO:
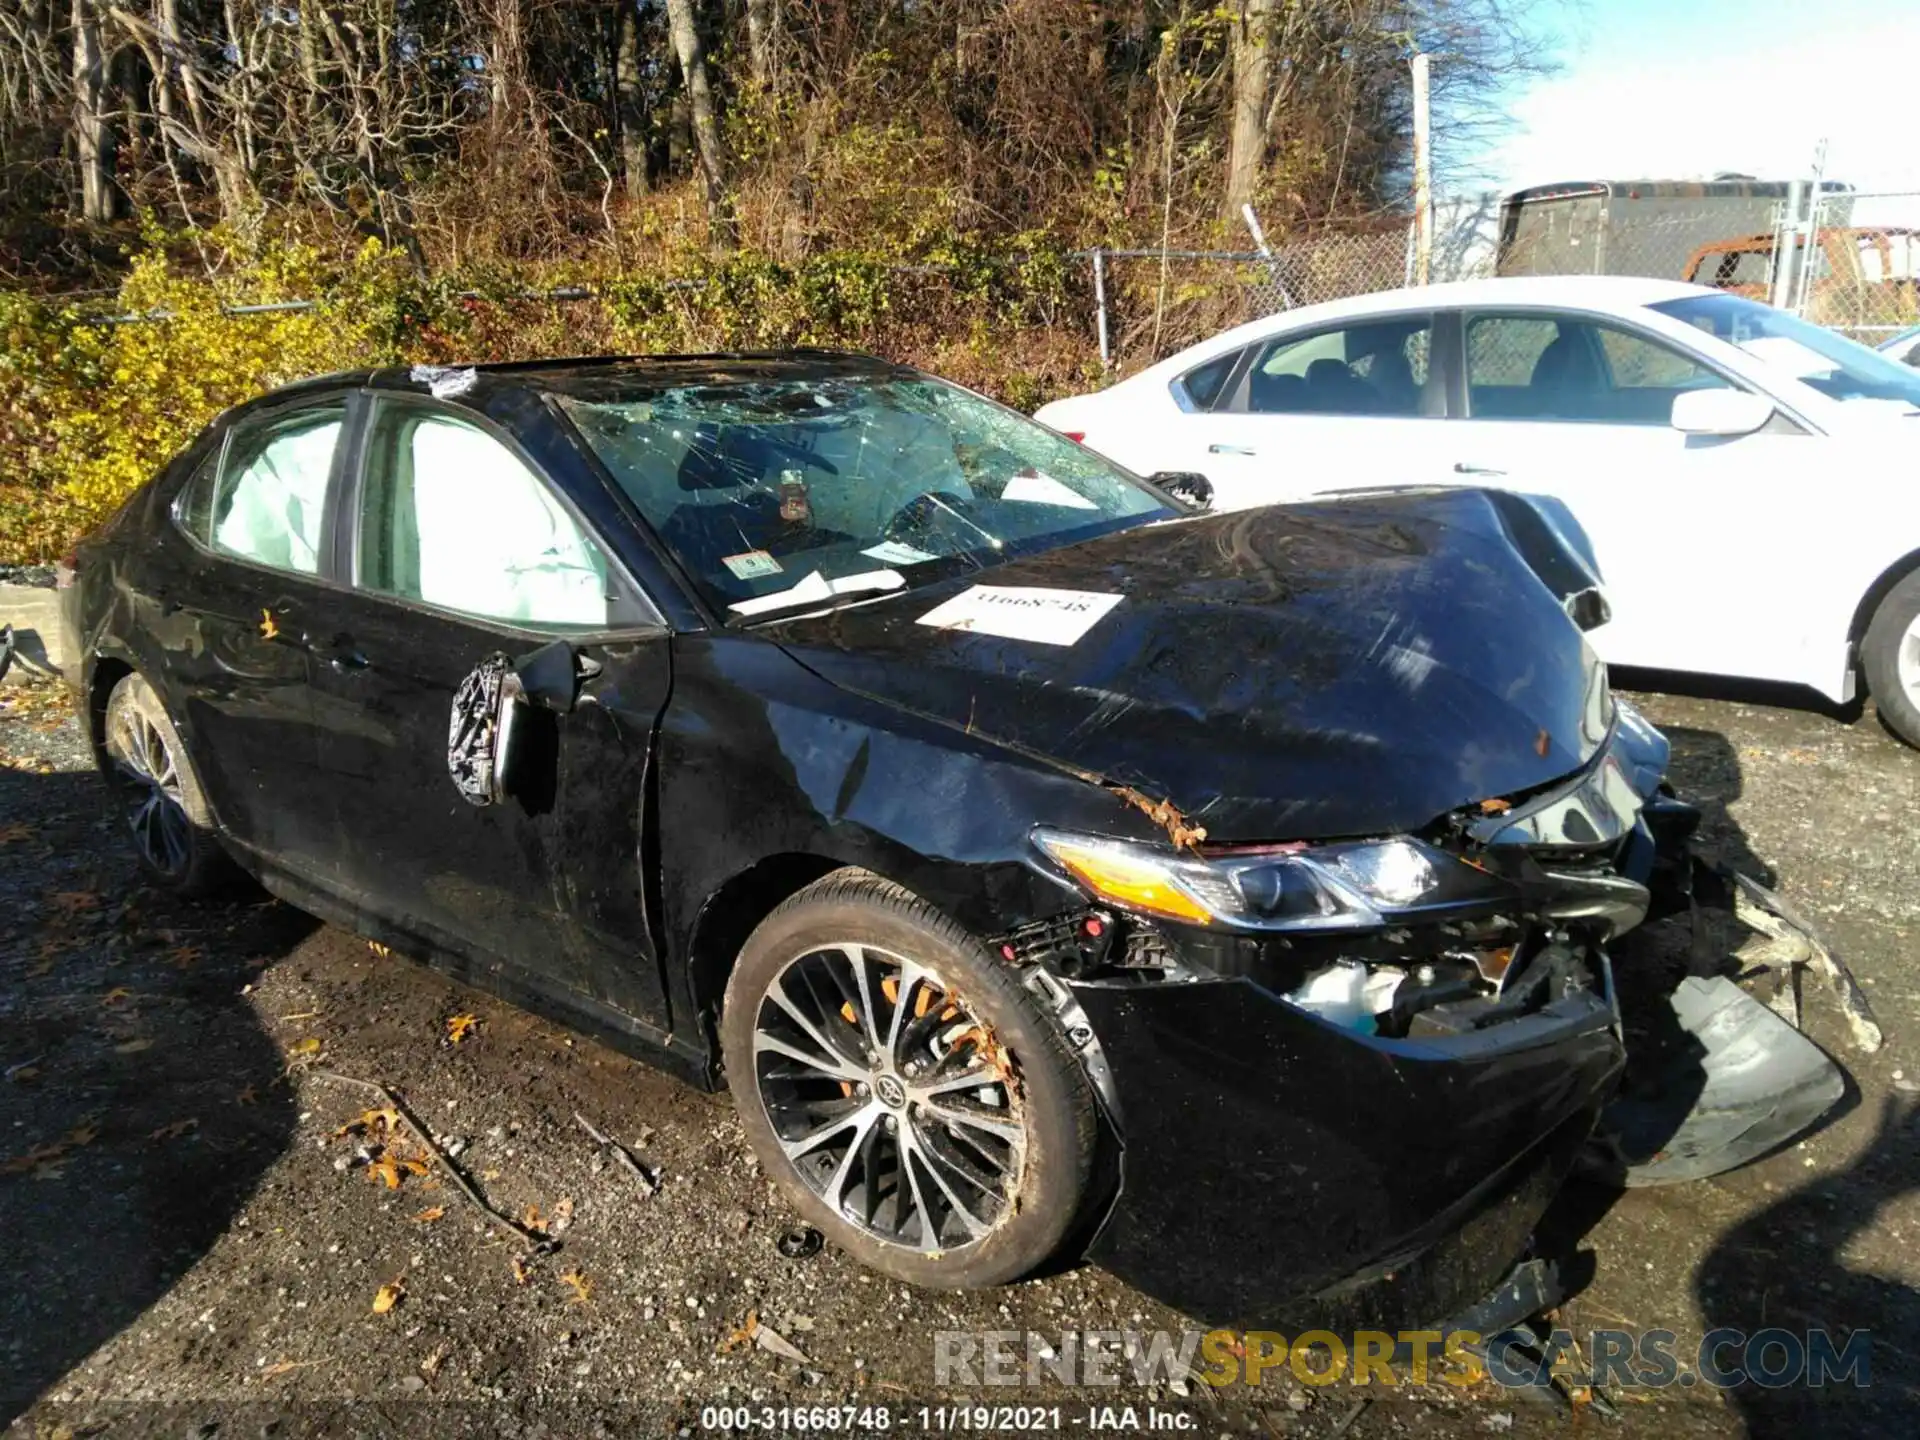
(373, 404)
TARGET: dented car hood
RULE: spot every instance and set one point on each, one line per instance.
(1298, 672)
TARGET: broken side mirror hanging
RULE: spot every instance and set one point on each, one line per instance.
(1188, 485)
(496, 726)
(480, 734)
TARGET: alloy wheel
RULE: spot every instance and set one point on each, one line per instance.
(891, 1097)
(1907, 660)
(156, 805)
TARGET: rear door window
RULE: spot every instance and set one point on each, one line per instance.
(264, 499)
(1376, 367)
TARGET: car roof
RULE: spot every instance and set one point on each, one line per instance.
(607, 376)
(1607, 292)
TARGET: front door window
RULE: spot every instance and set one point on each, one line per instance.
(452, 518)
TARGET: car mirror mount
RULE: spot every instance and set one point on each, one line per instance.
(551, 676)
(1188, 485)
(1724, 414)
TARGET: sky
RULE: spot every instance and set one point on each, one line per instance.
(1680, 89)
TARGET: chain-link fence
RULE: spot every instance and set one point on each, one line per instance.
(1842, 258)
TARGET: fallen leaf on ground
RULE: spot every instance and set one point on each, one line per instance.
(45, 1160)
(377, 948)
(73, 901)
(184, 957)
(384, 1121)
(522, 1270)
(582, 1287)
(283, 1367)
(116, 995)
(393, 1169)
(430, 1366)
(562, 1216)
(460, 1026)
(308, 1046)
(268, 629)
(532, 1219)
(175, 1130)
(133, 1047)
(14, 833)
(430, 1214)
(741, 1334)
(248, 1096)
(388, 1296)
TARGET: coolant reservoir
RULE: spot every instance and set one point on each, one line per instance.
(1349, 995)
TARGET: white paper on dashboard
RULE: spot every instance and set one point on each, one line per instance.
(1021, 612)
(1038, 489)
(892, 552)
(817, 588)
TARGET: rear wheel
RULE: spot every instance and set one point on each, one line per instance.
(1890, 654)
(902, 1089)
(165, 807)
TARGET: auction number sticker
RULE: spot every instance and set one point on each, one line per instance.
(1023, 612)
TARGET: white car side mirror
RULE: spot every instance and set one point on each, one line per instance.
(1720, 412)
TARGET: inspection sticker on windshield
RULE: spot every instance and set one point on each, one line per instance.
(1023, 612)
(751, 564)
(892, 552)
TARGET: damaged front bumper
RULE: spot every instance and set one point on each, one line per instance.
(1279, 1169)
(1331, 1153)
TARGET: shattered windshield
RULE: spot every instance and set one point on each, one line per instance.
(779, 493)
(1837, 367)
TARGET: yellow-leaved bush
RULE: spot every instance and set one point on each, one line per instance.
(89, 410)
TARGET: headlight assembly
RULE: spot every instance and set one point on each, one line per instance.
(1353, 885)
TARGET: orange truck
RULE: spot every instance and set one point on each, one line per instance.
(1863, 279)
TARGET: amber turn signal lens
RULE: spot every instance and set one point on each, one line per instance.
(1119, 877)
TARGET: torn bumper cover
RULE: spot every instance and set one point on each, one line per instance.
(1718, 1079)
(1378, 1101)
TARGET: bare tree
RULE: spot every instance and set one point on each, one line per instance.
(1252, 64)
(93, 135)
(704, 118)
(763, 42)
(630, 99)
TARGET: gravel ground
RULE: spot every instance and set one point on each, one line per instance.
(195, 1246)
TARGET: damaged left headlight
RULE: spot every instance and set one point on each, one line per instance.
(1350, 885)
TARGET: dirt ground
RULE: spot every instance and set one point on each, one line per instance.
(193, 1247)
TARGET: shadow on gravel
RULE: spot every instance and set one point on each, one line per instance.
(1784, 1270)
(1772, 693)
(142, 1101)
(1763, 1256)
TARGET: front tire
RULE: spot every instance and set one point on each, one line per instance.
(1890, 655)
(901, 1088)
(161, 796)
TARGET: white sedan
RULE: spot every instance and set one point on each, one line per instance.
(1748, 480)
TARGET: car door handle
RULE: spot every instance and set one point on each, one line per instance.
(1230, 450)
(1461, 467)
(343, 655)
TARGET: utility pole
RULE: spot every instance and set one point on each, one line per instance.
(1422, 175)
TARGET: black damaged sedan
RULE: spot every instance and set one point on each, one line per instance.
(1050, 868)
